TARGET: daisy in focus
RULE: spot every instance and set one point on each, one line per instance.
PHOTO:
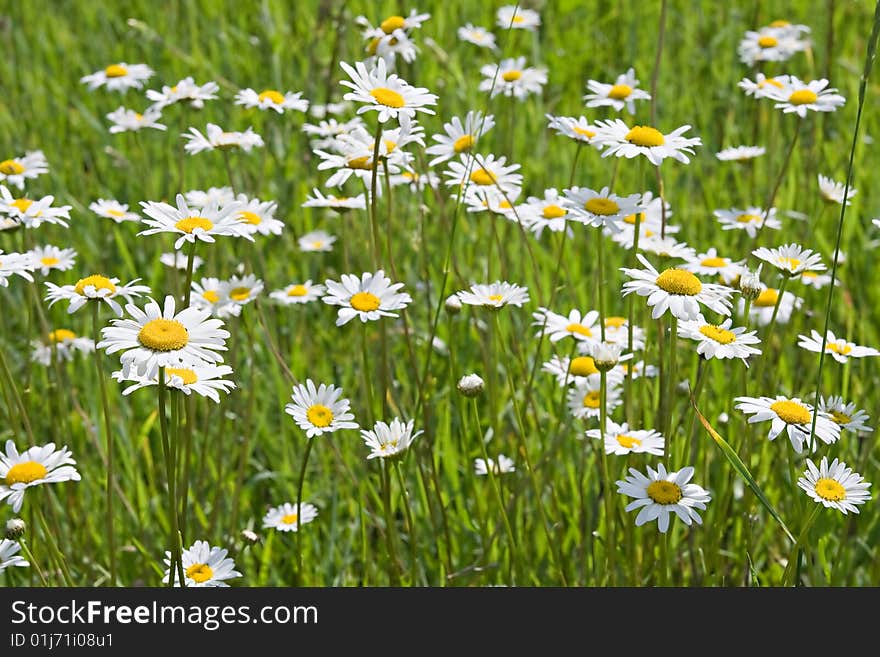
(389, 441)
(29, 166)
(839, 348)
(513, 78)
(660, 494)
(217, 138)
(548, 213)
(194, 223)
(835, 486)
(484, 173)
(119, 77)
(622, 93)
(110, 209)
(792, 416)
(791, 259)
(576, 325)
(271, 99)
(847, 415)
(585, 401)
(833, 192)
(621, 440)
(298, 293)
(259, 216)
(795, 96)
(370, 297)
(388, 94)
(460, 136)
(205, 380)
(601, 209)
(32, 467)
(203, 566)
(499, 466)
(286, 517)
(494, 295)
(319, 410)
(95, 288)
(617, 138)
(720, 340)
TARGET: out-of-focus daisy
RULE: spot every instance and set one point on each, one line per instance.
(495, 295)
(64, 343)
(760, 87)
(17, 170)
(649, 222)
(617, 138)
(676, 290)
(579, 129)
(835, 486)
(126, 120)
(389, 441)
(216, 137)
(513, 78)
(623, 93)
(416, 182)
(33, 212)
(298, 293)
(479, 36)
(637, 370)
(549, 212)
(576, 325)
(740, 153)
(159, 336)
(203, 379)
(194, 223)
(337, 203)
(719, 340)
(110, 209)
(8, 556)
(791, 259)
(219, 196)
(319, 410)
(848, 416)
(792, 416)
(798, 97)
(617, 330)
(711, 264)
(203, 566)
(517, 18)
(316, 240)
(761, 310)
(661, 494)
(389, 95)
(601, 209)
(15, 263)
(499, 466)
(288, 517)
(749, 219)
(667, 247)
(841, 349)
(32, 467)
(484, 172)
(179, 260)
(258, 216)
(326, 132)
(243, 289)
(212, 294)
(621, 440)
(271, 99)
(185, 91)
(370, 297)
(95, 287)
(769, 44)
(832, 192)
(572, 371)
(47, 258)
(119, 77)
(460, 137)
(816, 280)
(584, 400)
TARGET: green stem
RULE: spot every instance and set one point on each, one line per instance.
(299, 494)
(374, 221)
(108, 437)
(607, 485)
(176, 565)
(190, 261)
(394, 570)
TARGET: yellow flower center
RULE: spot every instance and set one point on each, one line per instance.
(664, 492)
(643, 135)
(553, 212)
(200, 572)
(463, 143)
(589, 134)
(115, 213)
(679, 281)
(61, 335)
(25, 473)
(767, 41)
(830, 489)
(389, 145)
(767, 298)
(297, 291)
(840, 418)
(272, 96)
(319, 415)
(483, 177)
(388, 97)
(602, 206)
(362, 162)
(11, 168)
(251, 218)
(614, 322)
(289, 519)
(189, 224)
(592, 399)
(620, 91)
(99, 283)
(842, 349)
(713, 262)
(773, 82)
(22, 204)
(49, 261)
(189, 376)
(392, 23)
(518, 19)
(211, 296)
(511, 76)
(634, 219)
(789, 263)
(239, 293)
(580, 329)
(317, 244)
(791, 412)
(748, 218)
(364, 301)
(718, 334)
(780, 23)
(163, 335)
(803, 97)
(628, 441)
(497, 298)
(583, 366)
(115, 71)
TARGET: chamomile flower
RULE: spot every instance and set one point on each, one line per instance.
(835, 486)
(316, 240)
(159, 336)
(9, 556)
(740, 153)
(761, 86)
(270, 99)
(48, 258)
(649, 222)
(816, 280)
(319, 410)
(584, 400)
(499, 466)
(833, 192)
(617, 330)
(761, 310)
(185, 91)
(796, 96)
(416, 182)
(288, 517)
(513, 78)
(15, 263)
(126, 120)
(668, 247)
(205, 380)
(839, 348)
(258, 216)
(203, 566)
(711, 264)
(194, 223)
(576, 325)
(219, 196)
(17, 170)
(243, 289)
(720, 340)
(621, 440)
(389, 441)
(111, 209)
(95, 287)
(179, 260)
(484, 172)
(579, 129)
(661, 494)
(119, 77)
(517, 18)
(617, 138)
(389, 95)
(577, 371)
(495, 295)
(623, 93)
(676, 290)
(212, 294)
(549, 212)
(749, 219)
(791, 259)
(298, 293)
(370, 297)
(33, 213)
(769, 44)
(337, 203)
(460, 136)
(792, 416)
(848, 416)
(64, 344)
(394, 23)
(479, 36)
(32, 467)
(637, 370)
(217, 138)
(601, 209)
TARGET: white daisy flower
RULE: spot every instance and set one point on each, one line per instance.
(270, 99)
(495, 295)
(601, 209)
(549, 212)
(179, 260)
(351, 162)
(370, 297)
(584, 400)
(661, 494)
(338, 203)
(649, 221)
(298, 293)
(15, 263)
(34, 466)
(798, 97)
(676, 290)
(119, 77)
(761, 310)
(258, 216)
(219, 196)
(749, 220)
(848, 416)
(621, 440)
(8, 556)
(203, 566)
(319, 410)
(832, 192)
(203, 379)
(513, 78)
(316, 241)
(389, 441)
(617, 330)
(668, 247)
(792, 416)
(63, 344)
(95, 288)
(639, 369)
(816, 280)
(576, 325)
(194, 223)
(761, 86)
(484, 172)
(388, 94)
(126, 120)
(769, 44)
(389, 47)
(623, 93)
(17, 170)
(740, 153)
(110, 209)
(243, 289)
(791, 259)
(517, 18)
(158, 336)
(719, 340)
(417, 182)
(578, 371)
(578, 129)
(216, 137)
(835, 486)
(48, 258)
(617, 138)
(33, 213)
(327, 131)
(287, 518)
(212, 294)
(839, 348)
(393, 23)
(460, 136)
(711, 264)
(185, 91)
(499, 466)
(479, 36)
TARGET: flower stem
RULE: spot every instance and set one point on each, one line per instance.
(176, 564)
(393, 574)
(374, 220)
(299, 495)
(108, 437)
(610, 547)
(190, 261)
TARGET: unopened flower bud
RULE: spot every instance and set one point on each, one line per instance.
(250, 537)
(470, 385)
(605, 355)
(750, 284)
(453, 304)
(15, 529)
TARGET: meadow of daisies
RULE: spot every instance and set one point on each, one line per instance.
(359, 294)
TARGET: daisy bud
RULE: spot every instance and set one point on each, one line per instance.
(750, 284)
(249, 537)
(605, 355)
(15, 529)
(470, 385)
(453, 304)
